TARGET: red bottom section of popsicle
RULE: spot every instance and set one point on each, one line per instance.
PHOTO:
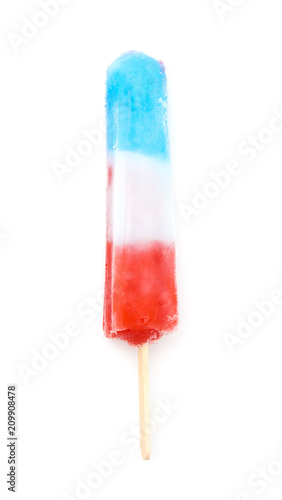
(140, 292)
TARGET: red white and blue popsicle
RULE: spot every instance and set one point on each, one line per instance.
(140, 302)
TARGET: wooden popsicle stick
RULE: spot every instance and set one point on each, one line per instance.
(144, 401)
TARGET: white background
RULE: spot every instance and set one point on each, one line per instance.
(224, 80)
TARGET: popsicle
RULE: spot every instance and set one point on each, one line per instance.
(140, 303)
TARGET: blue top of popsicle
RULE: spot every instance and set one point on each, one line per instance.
(136, 102)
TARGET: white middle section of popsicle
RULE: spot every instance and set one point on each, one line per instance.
(140, 199)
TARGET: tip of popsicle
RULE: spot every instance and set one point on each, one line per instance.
(135, 57)
(136, 105)
(135, 69)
